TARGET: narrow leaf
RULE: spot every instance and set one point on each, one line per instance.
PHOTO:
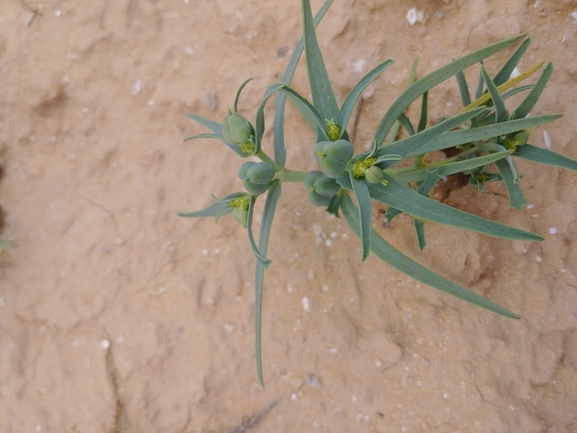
(279, 147)
(545, 156)
(499, 104)
(204, 135)
(267, 218)
(308, 111)
(365, 213)
(238, 93)
(412, 145)
(399, 261)
(260, 114)
(351, 99)
(425, 208)
(420, 232)
(212, 211)
(463, 136)
(210, 124)
(449, 168)
(259, 256)
(321, 90)
(516, 197)
(433, 79)
(505, 73)
(463, 89)
(529, 102)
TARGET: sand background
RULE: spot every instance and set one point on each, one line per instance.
(118, 316)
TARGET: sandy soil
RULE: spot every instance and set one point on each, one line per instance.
(118, 316)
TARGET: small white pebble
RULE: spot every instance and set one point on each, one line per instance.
(136, 87)
(536, 4)
(306, 304)
(329, 243)
(149, 102)
(325, 287)
(105, 344)
(38, 427)
(446, 396)
(530, 206)
(379, 363)
(354, 399)
(538, 259)
(334, 350)
(515, 73)
(204, 252)
(359, 65)
(547, 139)
(366, 418)
(84, 109)
(74, 343)
(412, 16)
(229, 327)
(294, 397)
(553, 230)
(57, 12)
(574, 15)
(189, 51)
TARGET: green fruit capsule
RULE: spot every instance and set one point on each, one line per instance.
(243, 170)
(255, 188)
(310, 179)
(236, 129)
(333, 168)
(326, 186)
(240, 216)
(374, 175)
(333, 156)
(318, 200)
(261, 173)
(340, 150)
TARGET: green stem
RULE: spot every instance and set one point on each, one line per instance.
(264, 157)
(460, 156)
(287, 175)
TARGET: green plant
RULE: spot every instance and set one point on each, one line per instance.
(482, 134)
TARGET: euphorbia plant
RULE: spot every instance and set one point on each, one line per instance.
(482, 136)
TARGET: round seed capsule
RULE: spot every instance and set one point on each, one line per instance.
(374, 175)
(310, 179)
(243, 170)
(318, 200)
(261, 173)
(255, 188)
(240, 215)
(326, 186)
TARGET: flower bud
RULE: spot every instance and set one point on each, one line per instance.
(318, 200)
(261, 173)
(374, 175)
(236, 129)
(240, 215)
(326, 186)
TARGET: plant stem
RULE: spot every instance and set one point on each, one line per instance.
(264, 157)
(287, 175)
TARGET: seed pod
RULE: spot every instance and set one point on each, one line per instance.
(318, 200)
(333, 156)
(310, 178)
(374, 175)
(261, 173)
(236, 129)
(341, 150)
(243, 170)
(255, 188)
(240, 215)
(326, 186)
